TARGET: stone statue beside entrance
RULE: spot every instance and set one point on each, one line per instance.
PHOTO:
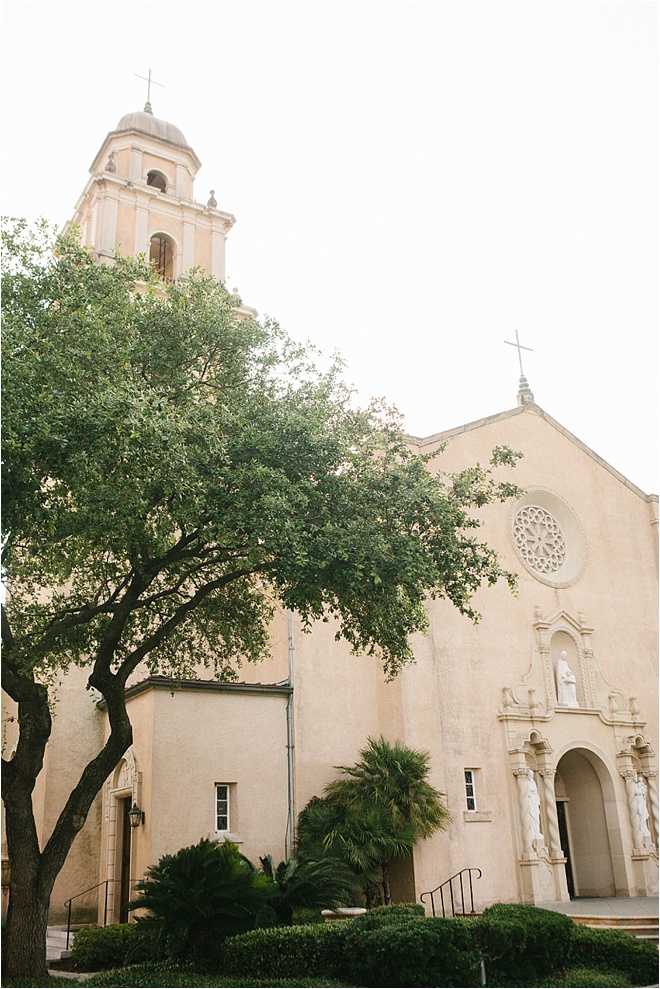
(641, 808)
(534, 806)
(566, 683)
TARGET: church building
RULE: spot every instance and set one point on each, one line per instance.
(540, 721)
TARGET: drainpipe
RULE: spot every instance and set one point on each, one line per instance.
(291, 821)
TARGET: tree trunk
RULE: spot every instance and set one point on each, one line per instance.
(387, 892)
(33, 872)
(24, 954)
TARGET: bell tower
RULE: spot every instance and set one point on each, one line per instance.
(139, 200)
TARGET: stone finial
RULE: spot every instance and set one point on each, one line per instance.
(212, 200)
(147, 108)
(111, 166)
(525, 395)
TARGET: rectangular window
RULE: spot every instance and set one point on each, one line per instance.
(221, 807)
(470, 792)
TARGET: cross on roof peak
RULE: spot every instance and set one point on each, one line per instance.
(519, 347)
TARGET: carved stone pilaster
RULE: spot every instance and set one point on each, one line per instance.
(652, 783)
(554, 838)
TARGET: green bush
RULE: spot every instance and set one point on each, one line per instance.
(521, 943)
(198, 897)
(102, 947)
(376, 918)
(614, 951)
(392, 946)
(286, 952)
(412, 951)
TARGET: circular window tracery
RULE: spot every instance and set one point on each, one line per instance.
(548, 537)
(539, 539)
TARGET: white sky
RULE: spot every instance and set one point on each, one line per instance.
(412, 181)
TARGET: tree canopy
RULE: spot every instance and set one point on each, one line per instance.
(173, 467)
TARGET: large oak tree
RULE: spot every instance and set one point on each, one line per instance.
(171, 468)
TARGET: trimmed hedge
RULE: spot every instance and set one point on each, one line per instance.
(521, 943)
(385, 947)
(379, 916)
(412, 951)
(295, 952)
(102, 947)
(614, 951)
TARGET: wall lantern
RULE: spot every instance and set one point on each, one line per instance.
(136, 816)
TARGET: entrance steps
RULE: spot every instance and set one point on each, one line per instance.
(643, 927)
(56, 943)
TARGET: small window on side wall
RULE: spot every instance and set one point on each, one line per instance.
(470, 789)
(222, 816)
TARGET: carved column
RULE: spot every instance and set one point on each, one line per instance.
(554, 839)
(652, 781)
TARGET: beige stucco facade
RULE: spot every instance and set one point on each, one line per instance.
(482, 699)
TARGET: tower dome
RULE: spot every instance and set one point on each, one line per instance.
(144, 122)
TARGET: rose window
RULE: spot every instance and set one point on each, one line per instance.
(539, 539)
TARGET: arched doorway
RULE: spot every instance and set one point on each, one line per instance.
(589, 829)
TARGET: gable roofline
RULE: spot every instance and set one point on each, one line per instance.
(532, 409)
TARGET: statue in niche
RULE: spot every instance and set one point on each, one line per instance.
(566, 683)
(534, 806)
(641, 807)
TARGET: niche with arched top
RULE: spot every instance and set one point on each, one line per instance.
(161, 255)
(566, 668)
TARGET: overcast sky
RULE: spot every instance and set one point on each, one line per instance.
(413, 182)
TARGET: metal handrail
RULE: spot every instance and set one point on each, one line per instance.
(450, 882)
(67, 903)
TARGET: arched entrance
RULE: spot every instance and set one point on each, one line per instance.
(588, 824)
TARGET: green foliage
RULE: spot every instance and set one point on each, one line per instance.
(387, 916)
(200, 896)
(324, 884)
(522, 942)
(398, 948)
(413, 952)
(298, 952)
(614, 951)
(165, 458)
(374, 812)
(181, 977)
(102, 947)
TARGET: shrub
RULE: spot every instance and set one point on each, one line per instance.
(102, 947)
(522, 943)
(286, 952)
(379, 916)
(614, 951)
(199, 896)
(409, 950)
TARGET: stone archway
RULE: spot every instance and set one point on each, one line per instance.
(587, 803)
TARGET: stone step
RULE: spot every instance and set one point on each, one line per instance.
(645, 928)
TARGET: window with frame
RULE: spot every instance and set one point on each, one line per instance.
(470, 789)
(221, 807)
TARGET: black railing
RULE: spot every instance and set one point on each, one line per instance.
(67, 903)
(446, 889)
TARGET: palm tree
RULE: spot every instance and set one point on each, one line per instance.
(324, 883)
(375, 812)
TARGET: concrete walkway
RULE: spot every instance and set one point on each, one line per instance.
(603, 906)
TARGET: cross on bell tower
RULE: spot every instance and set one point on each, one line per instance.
(149, 81)
(525, 396)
